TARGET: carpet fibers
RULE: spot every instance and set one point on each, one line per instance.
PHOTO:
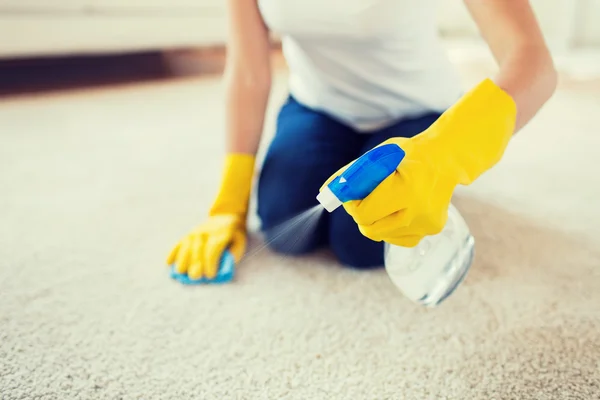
(96, 185)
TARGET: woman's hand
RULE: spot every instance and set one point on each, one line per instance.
(199, 252)
(411, 203)
(463, 143)
(470, 137)
(247, 79)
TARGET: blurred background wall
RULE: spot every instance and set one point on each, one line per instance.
(572, 24)
(62, 27)
(571, 28)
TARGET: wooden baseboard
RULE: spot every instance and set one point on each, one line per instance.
(210, 60)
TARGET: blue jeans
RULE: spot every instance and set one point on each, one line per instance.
(307, 149)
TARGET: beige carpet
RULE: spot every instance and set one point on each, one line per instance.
(96, 185)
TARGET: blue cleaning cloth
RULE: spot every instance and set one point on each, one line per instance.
(224, 274)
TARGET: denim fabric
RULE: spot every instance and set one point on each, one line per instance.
(307, 149)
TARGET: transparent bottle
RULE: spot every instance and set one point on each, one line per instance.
(429, 272)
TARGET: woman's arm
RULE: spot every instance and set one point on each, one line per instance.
(527, 71)
(247, 76)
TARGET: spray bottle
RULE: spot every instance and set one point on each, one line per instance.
(427, 273)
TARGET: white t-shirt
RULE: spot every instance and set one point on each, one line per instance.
(366, 63)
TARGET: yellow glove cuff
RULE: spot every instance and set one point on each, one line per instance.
(234, 193)
(474, 133)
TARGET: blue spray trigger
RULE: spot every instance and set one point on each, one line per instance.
(367, 172)
(224, 274)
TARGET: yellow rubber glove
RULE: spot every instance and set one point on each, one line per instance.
(468, 139)
(198, 253)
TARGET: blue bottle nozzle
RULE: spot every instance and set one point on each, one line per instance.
(362, 176)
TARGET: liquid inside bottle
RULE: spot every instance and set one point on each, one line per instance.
(430, 272)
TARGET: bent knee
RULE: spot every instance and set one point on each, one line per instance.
(352, 248)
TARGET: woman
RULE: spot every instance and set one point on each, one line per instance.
(363, 73)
